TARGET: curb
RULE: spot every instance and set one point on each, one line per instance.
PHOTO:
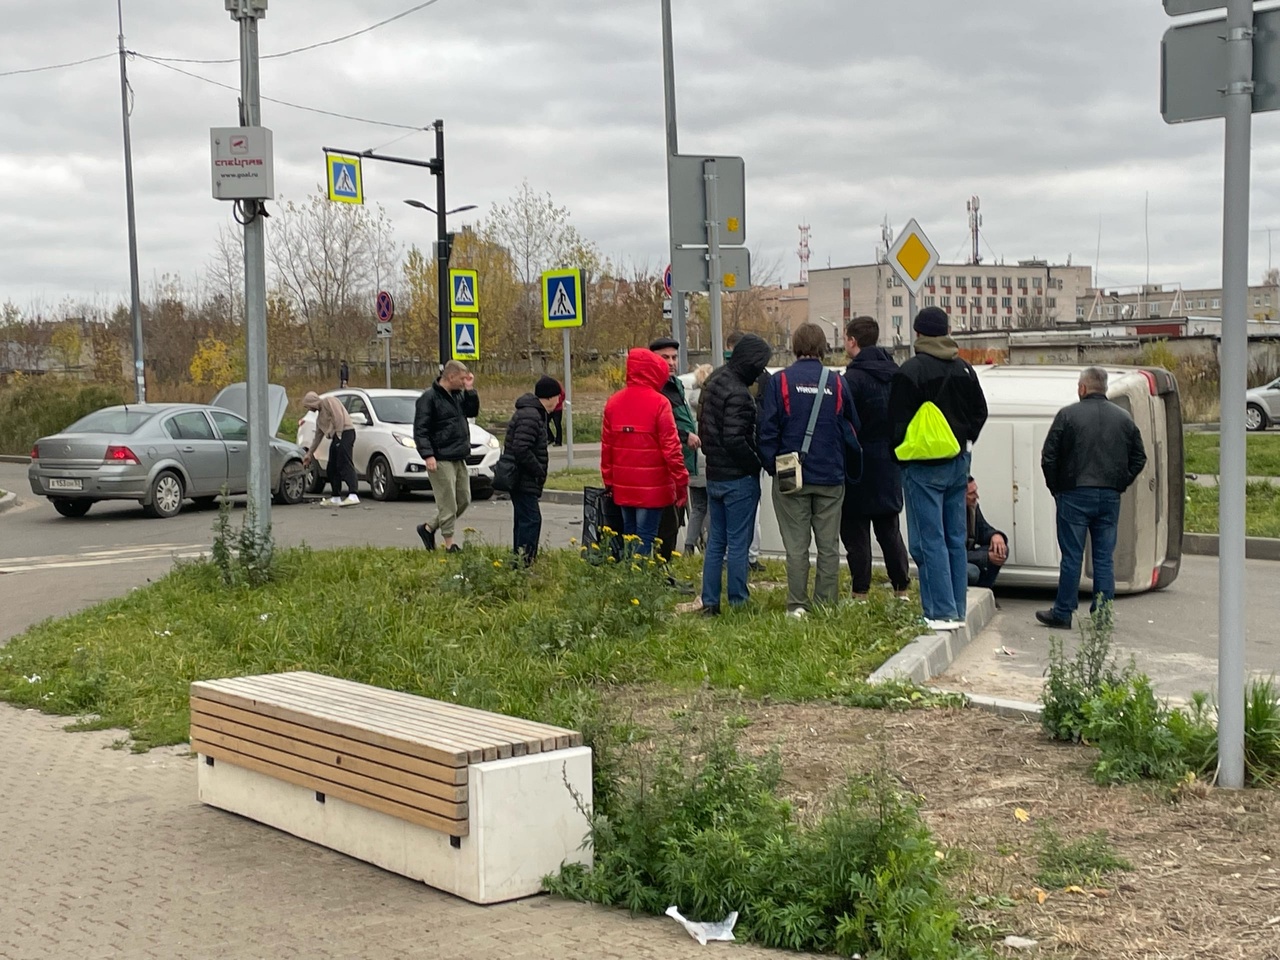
(929, 655)
(1255, 548)
(10, 458)
(7, 501)
(1013, 709)
(570, 497)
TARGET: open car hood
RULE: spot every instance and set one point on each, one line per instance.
(235, 397)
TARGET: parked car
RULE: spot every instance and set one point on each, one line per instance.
(1262, 406)
(385, 454)
(159, 454)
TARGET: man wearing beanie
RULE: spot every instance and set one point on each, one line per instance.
(935, 489)
(669, 350)
(526, 450)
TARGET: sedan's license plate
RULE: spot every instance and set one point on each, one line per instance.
(473, 471)
(59, 483)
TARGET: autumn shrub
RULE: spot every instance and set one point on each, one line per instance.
(35, 407)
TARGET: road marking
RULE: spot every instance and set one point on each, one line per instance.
(97, 558)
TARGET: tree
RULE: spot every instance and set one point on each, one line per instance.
(539, 237)
(108, 355)
(67, 344)
(213, 364)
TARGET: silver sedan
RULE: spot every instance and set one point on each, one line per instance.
(159, 454)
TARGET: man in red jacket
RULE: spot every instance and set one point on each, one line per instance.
(640, 457)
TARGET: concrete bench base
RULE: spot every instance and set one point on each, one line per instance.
(524, 823)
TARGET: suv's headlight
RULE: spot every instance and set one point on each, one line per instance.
(405, 441)
(493, 442)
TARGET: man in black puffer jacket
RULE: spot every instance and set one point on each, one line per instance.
(526, 447)
(729, 429)
(443, 438)
(875, 501)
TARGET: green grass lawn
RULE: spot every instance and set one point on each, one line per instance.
(543, 644)
(1262, 454)
(574, 478)
(1262, 509)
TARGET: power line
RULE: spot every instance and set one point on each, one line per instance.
(283, 103)
(56, 66)
(310, 46)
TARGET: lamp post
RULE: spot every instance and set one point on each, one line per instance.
(835, 332)
(443, 245)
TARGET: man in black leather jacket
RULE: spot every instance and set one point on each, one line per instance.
(1092, 455)
(443, 437)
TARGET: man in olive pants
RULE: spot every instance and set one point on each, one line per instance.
(443, 437)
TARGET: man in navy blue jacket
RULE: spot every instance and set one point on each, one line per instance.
(813, 512)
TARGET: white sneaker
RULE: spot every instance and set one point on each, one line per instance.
(351, 500)
(334, 502)
(944, 624)
(798, 613)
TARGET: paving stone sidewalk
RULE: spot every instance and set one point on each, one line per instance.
(107, 854)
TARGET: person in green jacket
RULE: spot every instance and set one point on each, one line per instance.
(686, 427)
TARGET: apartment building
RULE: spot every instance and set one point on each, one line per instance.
(1162, 301)
(1030, 293)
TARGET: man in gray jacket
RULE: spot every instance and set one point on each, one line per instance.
(1092, 455)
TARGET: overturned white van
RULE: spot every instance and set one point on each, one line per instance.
(1022, 402)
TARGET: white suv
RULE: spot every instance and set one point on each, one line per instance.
(385, 453)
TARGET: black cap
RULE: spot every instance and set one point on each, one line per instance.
(546, 388)
(664, 343)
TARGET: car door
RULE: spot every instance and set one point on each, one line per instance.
(235, 437)
(201, 452)
(1271, 394)
(366, 437)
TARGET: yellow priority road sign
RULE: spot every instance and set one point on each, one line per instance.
(913, 257)
(345, 183)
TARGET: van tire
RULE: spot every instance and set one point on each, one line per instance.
(1255, 418)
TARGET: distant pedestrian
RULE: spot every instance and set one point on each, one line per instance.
(729, 426)
(526, 447)
(443, 438)
(1092, 455)
(641, 462)
(935, 464)
(334, 422)
(344, 375)
(555, 419)
(988, 548)
(686, 429)
(874, 502)
(808, 413)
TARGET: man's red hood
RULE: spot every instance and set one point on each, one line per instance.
(646, 368)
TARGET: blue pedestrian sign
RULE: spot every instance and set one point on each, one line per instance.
(464, 295)
(345, 185)
(562, 301)
(466, 339)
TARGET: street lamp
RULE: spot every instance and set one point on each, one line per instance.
(444, 243)
(431, 210)
(835, 332)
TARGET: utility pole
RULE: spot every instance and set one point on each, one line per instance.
(135, 307)
(443, 248)
(678, 326)
(247, 13)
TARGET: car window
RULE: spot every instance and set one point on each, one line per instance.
(190, 426)
(116, 420)
(357, 405)
(230, 426)
(395, 409)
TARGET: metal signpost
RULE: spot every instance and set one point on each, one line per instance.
(564, 306)
(1227, 68)
(386, 313)
(913, 258)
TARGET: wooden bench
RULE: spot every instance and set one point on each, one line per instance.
(475, 803)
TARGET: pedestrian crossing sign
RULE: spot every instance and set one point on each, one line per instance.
(345, 185)
(463, 292)
(466, 339)
(562, 299)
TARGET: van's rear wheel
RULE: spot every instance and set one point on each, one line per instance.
(1255, 418)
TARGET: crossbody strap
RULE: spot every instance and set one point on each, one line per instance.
(813, 414)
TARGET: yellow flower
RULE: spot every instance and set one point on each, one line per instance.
(613, 559)
(676, 553)
(573, 541)
(497, 563)
(635, 601)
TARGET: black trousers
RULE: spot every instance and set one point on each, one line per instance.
(555, 427)
(668, 530)
(855, 534)
(342, 466)
(528, 525)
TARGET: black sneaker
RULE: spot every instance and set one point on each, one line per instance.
(455, 548)
(428, 536)
(755, 566)
(685, 587)
(1049, 620)
(709, 611)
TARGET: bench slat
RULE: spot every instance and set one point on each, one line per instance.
(365, 785)
(484, 727)
(448, 775)
(343, 760)
(453, 828)
(339, 725)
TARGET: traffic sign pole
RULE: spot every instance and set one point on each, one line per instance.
(714, 275)
(679, 329)
(568, 403)
(911, 320)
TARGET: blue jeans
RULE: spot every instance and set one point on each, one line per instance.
(643, 523)
(983, 574)
(731, 505)
(528, 525)
(1094, 511)
(937, 527)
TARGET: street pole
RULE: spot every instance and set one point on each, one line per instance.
(135, 305)
(1238, 99)
(911, 320)
(247, 12)
(709, 178)
(679, 329)
(568, 402)
(386, 348)
(442, 248)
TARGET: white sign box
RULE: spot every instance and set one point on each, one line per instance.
(242, 163)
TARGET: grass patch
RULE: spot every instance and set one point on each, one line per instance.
(468, 628)
(1262, 454)
(1262, 509)
(574, 478)
(1082, 863)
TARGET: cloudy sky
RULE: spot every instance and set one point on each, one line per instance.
(845, 111)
